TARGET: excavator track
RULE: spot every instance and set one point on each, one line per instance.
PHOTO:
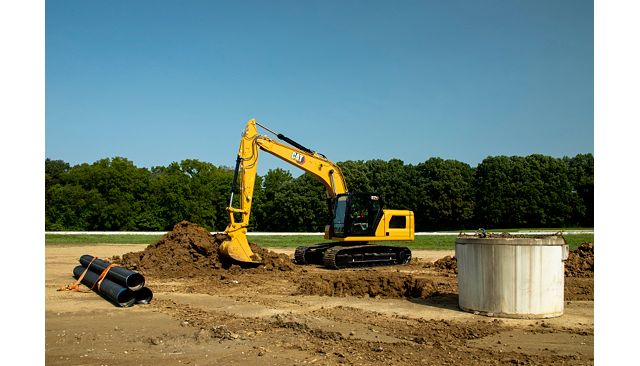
(311, 254)
(339, 257)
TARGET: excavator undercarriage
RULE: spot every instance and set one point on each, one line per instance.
(352, 255)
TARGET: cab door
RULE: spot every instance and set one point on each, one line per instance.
(364, 211)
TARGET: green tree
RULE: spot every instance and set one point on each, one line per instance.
(114, 194)
(71, 207)
(170, 191)
(581, 175)
(265, 206)
(55, 208)
(532, 191)
(123, 188)
(191, 190)
(444, 196)
(54, 171)
(106, 195)
(300, 205)
(390, 179)
(356, 175)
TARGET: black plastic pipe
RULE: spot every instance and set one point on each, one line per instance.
(116, 293)
(143, 296)
(123, 276)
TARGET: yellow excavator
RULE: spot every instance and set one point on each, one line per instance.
(357, 218)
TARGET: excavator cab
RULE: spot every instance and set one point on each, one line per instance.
(356, 214)
(361, 217)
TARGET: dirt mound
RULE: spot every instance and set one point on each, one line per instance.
(580, 262)
(375, 284)
(446, 264)
(272, 260)
(189, 250)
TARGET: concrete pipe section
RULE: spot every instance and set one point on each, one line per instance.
(511, 276)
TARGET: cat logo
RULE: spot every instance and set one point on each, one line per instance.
(297, 157)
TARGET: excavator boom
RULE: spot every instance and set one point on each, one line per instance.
(251, 144)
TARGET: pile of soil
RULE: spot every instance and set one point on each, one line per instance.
(272, 261)
(446, 264)
(375, 284)
(580, 262)
(189, 250)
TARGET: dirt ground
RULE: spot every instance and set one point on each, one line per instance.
(281, 315)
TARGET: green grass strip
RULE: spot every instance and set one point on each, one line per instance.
(100, 239)
(428, 242)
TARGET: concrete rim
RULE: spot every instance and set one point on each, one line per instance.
(548, 241)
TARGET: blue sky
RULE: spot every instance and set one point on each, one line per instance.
(162, 81)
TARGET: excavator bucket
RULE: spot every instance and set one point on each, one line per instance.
(237, 248)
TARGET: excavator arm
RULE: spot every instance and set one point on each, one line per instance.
(237, 247)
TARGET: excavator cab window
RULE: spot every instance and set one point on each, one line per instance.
(340, 215)
(357, 214)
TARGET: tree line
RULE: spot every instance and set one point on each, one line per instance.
(113, 194)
